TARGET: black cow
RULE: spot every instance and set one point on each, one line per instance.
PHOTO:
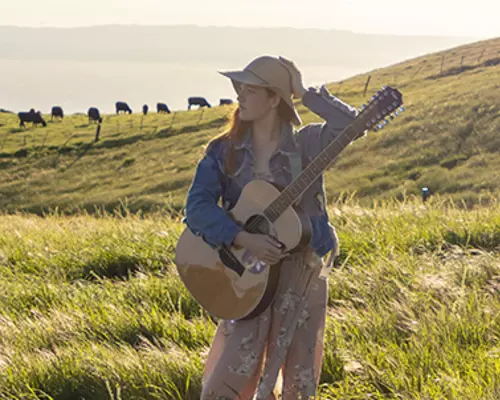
(223, 102)
(93, 114)
(162, 108)
(122, 106)
(145, 109)
(198, 101)
(31, 116)
(56, 112)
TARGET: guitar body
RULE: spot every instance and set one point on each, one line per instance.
(230, 283)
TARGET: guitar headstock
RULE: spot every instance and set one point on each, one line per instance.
(382, 108)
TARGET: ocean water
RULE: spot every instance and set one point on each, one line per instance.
(77, 85)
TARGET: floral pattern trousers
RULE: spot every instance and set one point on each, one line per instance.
(283, 345)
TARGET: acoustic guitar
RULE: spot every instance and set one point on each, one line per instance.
(229, 282)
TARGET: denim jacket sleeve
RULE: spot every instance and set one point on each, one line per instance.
(337, 115)
(203, 215)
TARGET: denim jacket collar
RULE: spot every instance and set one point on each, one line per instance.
(287, 144)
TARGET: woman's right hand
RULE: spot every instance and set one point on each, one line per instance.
(298, 88)
(263, 247)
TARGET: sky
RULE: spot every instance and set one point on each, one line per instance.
(478, 18)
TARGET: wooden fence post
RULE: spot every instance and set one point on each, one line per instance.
(45, 137)
(480, 56)
(366, 85)
(201, 115)
(97, 132)
(172, 120)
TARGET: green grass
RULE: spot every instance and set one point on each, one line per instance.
(447, 140)
(146, 169)
(92, 307)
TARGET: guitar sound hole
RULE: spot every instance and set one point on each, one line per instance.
(257, 224)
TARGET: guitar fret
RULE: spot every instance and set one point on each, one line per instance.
(270, 214)
(285, 202)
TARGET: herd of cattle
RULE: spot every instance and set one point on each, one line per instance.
(93, 114)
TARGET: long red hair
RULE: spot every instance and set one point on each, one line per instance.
(236, 128)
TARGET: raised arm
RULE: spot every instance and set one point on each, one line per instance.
(337, 115)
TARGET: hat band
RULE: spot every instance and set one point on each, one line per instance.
(254, 74)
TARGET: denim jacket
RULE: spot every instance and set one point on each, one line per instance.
(211, 182)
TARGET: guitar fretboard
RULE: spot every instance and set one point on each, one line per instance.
(309, 174)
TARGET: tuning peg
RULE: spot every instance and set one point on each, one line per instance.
(391, 117)
(401, 109)
(363, 106)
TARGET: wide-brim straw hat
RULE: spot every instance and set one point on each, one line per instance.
(270, 72)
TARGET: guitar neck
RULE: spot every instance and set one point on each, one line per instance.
(309, 174)
(381, 105)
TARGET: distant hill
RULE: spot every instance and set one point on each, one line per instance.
(448, 140)
(79, 67)
(224, 45)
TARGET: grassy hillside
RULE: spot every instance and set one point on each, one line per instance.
(448, 140)
(92, 308)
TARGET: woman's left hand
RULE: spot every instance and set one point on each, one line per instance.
(298, 88)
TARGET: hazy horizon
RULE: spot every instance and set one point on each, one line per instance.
(193, 25)
(96, 66)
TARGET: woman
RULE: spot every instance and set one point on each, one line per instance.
(247, 356)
